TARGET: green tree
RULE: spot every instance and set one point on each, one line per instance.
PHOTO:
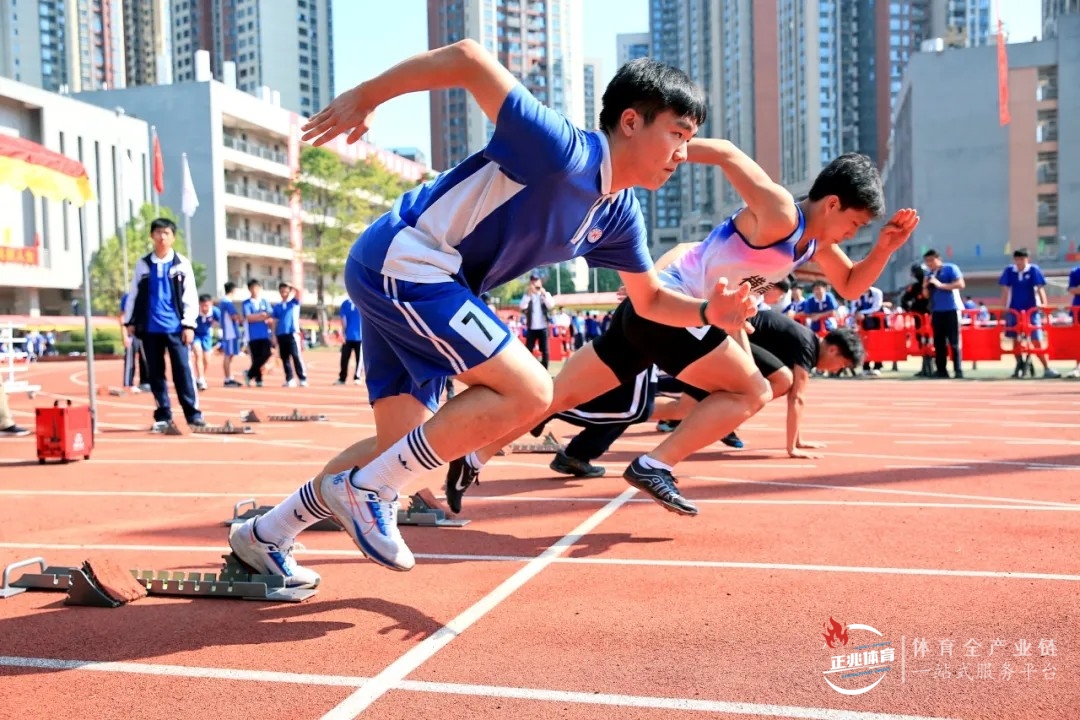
(607, 280)
(340, 199)
(558, 279)
(107, 262)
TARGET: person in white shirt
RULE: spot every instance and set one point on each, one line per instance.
(867, 309)
(536, 306)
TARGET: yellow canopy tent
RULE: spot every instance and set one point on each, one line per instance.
(26, 165)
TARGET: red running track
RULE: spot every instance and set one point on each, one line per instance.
(943, 515)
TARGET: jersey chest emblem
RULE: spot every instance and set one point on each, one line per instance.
(595, 234)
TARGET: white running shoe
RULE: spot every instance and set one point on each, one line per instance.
(370, 520)
(268, 558)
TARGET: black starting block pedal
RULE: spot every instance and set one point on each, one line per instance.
(235, 580)
(249, 416)
(426, 511)
(550, 444)
(297, 417)
(256, 510)
(227, 429)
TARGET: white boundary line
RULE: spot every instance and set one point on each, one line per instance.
(419, 654)
(553, 556)
(1043, 505)
(492, 691)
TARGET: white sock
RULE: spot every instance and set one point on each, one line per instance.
(652, 464)
(474, 461)
(407, 459)
(294, 515)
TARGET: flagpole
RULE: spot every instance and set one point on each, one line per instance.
(187, 218)
(153, 187)
(122, 218)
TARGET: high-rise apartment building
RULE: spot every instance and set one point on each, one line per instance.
(285, 46)
(631, 46)
(147, 42)
(1052, 9)
(594, 92)
(539, 41)
(62, 45)
(794, 84)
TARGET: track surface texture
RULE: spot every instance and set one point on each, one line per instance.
(938, 530)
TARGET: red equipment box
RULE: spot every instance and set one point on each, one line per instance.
(66, 433)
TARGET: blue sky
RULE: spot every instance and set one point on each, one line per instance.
(373, 35)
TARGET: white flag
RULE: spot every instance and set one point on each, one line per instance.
(190, 202)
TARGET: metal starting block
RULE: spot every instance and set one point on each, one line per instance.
(249, 416)
(235, 580)
(426, 511)
(256, 510)
(550, 444)
(227, 429)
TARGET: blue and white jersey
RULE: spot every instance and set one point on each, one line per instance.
(538, 194)
(726, 253)
(227, 309)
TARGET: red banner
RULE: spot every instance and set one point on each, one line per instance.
(159, 167)
(18, 255)
(1003, 77)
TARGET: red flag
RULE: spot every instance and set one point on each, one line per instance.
(159, 167)
(1003, 77)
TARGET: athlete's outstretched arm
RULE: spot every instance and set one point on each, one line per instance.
(465, 64)
(727, 308)
(795, 403)
(771, 203)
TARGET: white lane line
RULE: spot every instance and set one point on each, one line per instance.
(885, 491)
(566, 499)
(493, 691)
(451, 630)
(426, 649)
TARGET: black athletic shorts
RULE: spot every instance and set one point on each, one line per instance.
(632, 344)
(766, 362)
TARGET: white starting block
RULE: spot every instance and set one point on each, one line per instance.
(14, 360)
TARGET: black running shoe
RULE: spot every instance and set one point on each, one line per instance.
(459, 476)
(732, 440)
(660, 484)
(567, 465)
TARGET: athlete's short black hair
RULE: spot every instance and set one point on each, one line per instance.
(854, 179)
(229, 287)
(205, 298)
(848, 343)
(651, 87)
(162, 224)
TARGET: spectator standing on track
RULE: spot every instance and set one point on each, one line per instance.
(867, 307)
(536, 308)
(353, 340)
(1074, 290)
(257, 312)
(133, 356)
(8, 428)
(944, 281)
(287, 335)
(1023, 289)
(231, 322)
(161, 311)
(204, 339)
(915, 300)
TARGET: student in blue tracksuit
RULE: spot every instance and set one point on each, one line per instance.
(161, 312)
(353, 336)
(943, 283)
(257, 313)
(286, 331)
(204, 338)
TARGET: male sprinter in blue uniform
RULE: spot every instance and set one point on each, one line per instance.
(541, 192)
